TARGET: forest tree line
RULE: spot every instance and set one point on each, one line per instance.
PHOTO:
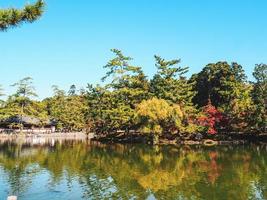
(217, 99)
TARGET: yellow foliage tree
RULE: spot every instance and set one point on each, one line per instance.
(157, 117)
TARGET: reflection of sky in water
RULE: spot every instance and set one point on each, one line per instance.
(41, 187)
(73, 171)
(257, 191)
(3, 184)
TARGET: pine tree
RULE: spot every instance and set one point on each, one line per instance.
(113, 106)
(12, 17)
(24, 92)
(72, 91)
(170, 83)
(127, 81)
(67, 110)
(259, 95)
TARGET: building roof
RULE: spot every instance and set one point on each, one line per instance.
(27, 120)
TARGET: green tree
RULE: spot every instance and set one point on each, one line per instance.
(12, 17)
(12, 107)
(259, 95)
(113, 106)
(68, 110)
(127, 81)
(72, 91)
(1, 94)
(216, 82)
(170, 84)
(227, 87)
(1, 91)
(22, 97)
(239, 109)
(99, 102)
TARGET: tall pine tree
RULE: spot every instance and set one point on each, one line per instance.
(169, 82)
(259, 95)
(113, 106)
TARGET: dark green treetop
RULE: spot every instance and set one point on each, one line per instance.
(216, 82)
(170, 82)
(259, 95)
(113, 106)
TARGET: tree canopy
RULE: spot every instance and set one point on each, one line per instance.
(259, 95)
(218, 98)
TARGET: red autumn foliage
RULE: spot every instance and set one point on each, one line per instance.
(210, 118)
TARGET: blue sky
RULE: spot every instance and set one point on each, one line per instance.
(71, 42)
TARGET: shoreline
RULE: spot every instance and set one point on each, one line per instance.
(61, 135)
(220, 139)
(206, 140)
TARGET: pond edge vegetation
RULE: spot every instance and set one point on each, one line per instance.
(218, 103)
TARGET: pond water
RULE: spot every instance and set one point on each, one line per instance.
(74, 170)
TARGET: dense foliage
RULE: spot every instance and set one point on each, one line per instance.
(217, 99)
(67, 110)
(12, 17)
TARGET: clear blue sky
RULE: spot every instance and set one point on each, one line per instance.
(71, 42)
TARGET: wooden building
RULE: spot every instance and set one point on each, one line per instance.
(27, 124)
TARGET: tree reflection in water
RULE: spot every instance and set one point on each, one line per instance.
(102, 171)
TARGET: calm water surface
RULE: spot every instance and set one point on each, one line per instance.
(54, 170)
